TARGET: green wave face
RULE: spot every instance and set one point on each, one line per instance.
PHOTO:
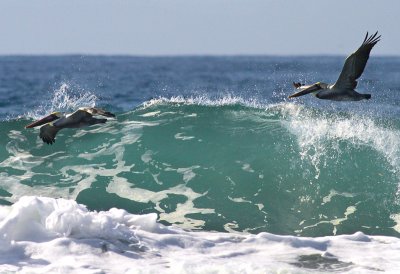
(284, 169)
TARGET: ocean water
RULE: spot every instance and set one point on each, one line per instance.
(208, 167)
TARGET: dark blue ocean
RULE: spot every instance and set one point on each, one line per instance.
(208, 144)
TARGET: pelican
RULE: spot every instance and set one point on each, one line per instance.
(80, 118)
(343, 89)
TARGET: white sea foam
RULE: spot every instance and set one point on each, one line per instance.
(46, 235)
(123, 188)
(224, 100)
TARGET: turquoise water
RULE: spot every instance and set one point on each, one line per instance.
(239, 157)
(283, 169)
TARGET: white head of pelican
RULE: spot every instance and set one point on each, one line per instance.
(343, 89)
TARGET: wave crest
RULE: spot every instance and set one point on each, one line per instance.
(65, 98)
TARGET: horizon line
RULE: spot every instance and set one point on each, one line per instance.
(178, 55)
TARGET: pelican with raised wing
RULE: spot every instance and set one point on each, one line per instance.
(58, 120)
(343, 89)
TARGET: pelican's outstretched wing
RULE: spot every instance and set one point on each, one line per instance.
(355, 63)
(98, 111)
(48, 133)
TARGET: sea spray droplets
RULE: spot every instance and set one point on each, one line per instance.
(319, 136)
(65, 98)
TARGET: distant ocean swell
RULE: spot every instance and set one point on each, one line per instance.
(227, 164)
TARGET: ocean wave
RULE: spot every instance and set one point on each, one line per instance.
(199, 165)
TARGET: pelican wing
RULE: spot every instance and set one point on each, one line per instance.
(355, 63)
(48, 133)
(98, 111)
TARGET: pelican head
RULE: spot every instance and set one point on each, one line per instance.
(45, 120)
(314, 89)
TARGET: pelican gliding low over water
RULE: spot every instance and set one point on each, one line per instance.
(80, 118)
(343, 89)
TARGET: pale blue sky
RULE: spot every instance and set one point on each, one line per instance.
(215, 27)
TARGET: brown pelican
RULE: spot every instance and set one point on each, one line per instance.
(80, 118)
(343, 89)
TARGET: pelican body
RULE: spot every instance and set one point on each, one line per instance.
(58, 120)
(343, 89)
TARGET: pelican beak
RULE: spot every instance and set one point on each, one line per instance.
(45, 120)
(305, 91)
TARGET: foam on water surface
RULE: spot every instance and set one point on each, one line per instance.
(46, 235)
